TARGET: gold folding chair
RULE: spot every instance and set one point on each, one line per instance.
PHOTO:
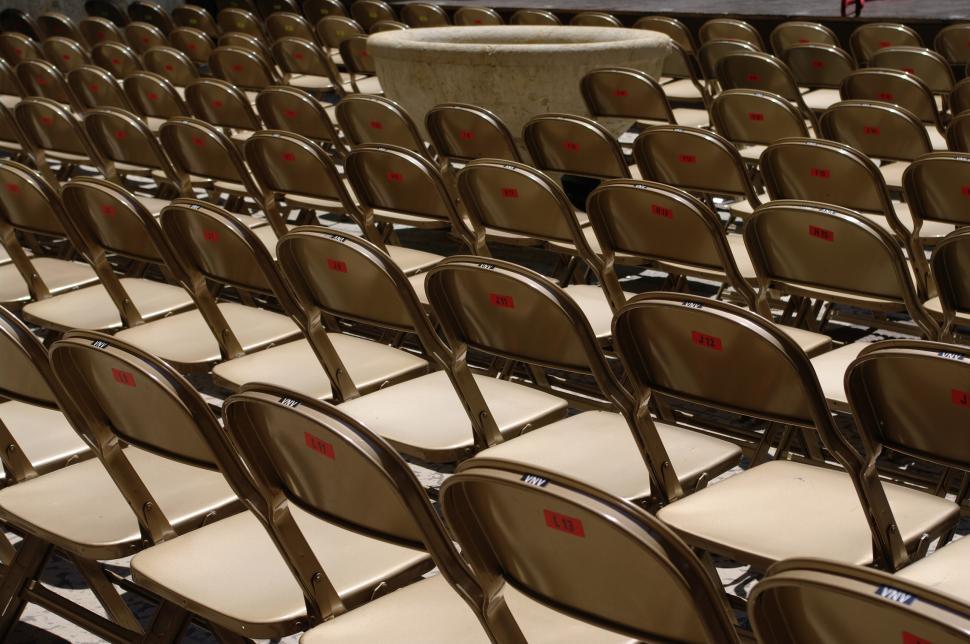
(16, 47)
(193, 17)
(925, 64)
(753, 120)
(960, 97)
(119, 59)
(800, 32)
(171, 64)
(293, 110)
(96, 29)
(305, 66)
(54, 134)
(729, 29)
(387, 25)
(333, 29)
(142, 36)
(240, 20)
(819, 69)
(41, 79)
(368, 12)
(242, 68)
(424, 14)
(595, 19)
(710, 54)
(534, 17)
(869, 38)
(473, 16)
(286, 24)
(764, 72)
(64, 53)
(225, 105)
(951, 43)
(951, 305)
(53, 24)
(575, 145)
(94, 87)
(379, 120)
(461, 133)
(619, 92)
(152, 13)
(154, 98)
(358, 61)
(194, 43)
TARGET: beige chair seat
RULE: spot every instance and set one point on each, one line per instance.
(9, 101)
(11, 146)
(59, 275)
(892, 174)
(152, 204)
(830, 368)
(741, 259)
(691, 117)
(820, 100)
(417, 221)
(79, 508)
(391, 619)
(232, 569)
(931, 230)
(598, 448)
(366, 85)
(44, 435)
(682, 89)
(92, 309)
(752, 152)
(743, 208)
(185, 338)
(425, 417)
(935, 307)
(295, 366)
(945, 570)
(937, 140)
(592, 300)
(810, 342)
(785, 509)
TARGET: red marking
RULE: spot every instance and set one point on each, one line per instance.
(687, 158)
(477, 21)
(101, 35)
(754, 77)
(146, 40)
(65, 57)
(337, 265)
(621, 92)
(563, 523)
(886, 96)
(18, 51)
(884, 43)
(821, 233)
(191, 45)
(504, 301)
(199, 141)
(572, 146)
(661, 211)
(821, 173)
(123, 377)
(217, 104)
(364, 53)
(169, 67)
(959, 397)
(115, 61)
(298, 55)
(756, 116)
(396, 177)
(510, 193)
(818, 64)
(46, 120)
(803, 40)
(704, 340)
(965, 191)
(237, 67)
(289, 156)
(108, 211)
(121, 134)
(290, 114)
(318, 445)
(871, 130)
(40, 80)
(94, 88)
(13, 188)
(466, 135)
(909, 638)
(376, 125)
(210, 235)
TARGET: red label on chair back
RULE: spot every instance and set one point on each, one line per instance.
(237, 67)
(909, 638)
(13, 188)
(169, 68)
(756, 116)
(152, 96)
(337, 265)
(199, 142)
(395, 177)
(884, 96)
(191, 45)
(661, 211)
(821, 173)
(217, 103)
(115, 61)
(40, 80)
(884, 43)
(803, 40)
(318, 445)
(754, 77)
(504, 301)
(123, 377)
(704, 340)
(620, 92)
(466, 135)
(66, 56)
(101, 35)
(146, 40)
(687, 158)
(818, 64)
(510, 193)
(477, 21)
(960, 397)
(121, 134)
(47, 120)
(872, 130)
(290, 114)
(210, 235)
(289, 157)
(108, 211)
(563, 523)
(821, 233)
(376, 125)
(94, 88)
(364, 54)
(298, 55)
(571, 146)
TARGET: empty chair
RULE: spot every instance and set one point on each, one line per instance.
(234, 20)
(958, 133)
(672, 27)
(333, 30)
(242, 68)
(171, 64)
(797, 597)
(368, 12)
(375, 119)
(752, 120)
(729, 29)
(142, 36)
(799, 32)
(19, 21)
(247, 42)
(106, 10)
(757, 70)
(42, 79)
(682, 78)
(951, 43)
(821, 69)
(461, 133)
(575, 145)
(870, 37)
(152, 13)
(475, 16)
(534, 17)
(16, 47)
(595, 19)
(54, 134)
(266, 8)
(64, 53)
(220, 103)
(623, 92)
(119, 59)
(12, 140)
(360, 64)
(154, 98)
(99, 30)
(193, 17)
(711, 53)
(952, 305)
(927, 65)
(307, 67)
(424, 14)
(315, 10)
(293, 110)
(881, 131)
(285, 24)
(96, 87)
(194, 43)
(51, 24)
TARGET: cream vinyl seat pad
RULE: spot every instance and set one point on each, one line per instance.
(59, 275)
(945, 570)
(44, 435)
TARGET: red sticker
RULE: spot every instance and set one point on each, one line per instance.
(289, 157)
(298, 55)
(687, 158)
(886, 96)
(376, 125)
(477, 21)
(621, 92)
(365, 54)
(318, 445)
(121, 134)
(191, 45)
(821, 173)
(290, 114)
(13, 188)
(46, 120)
(123, 377)
(146, 40)
(152, 96)
(337, 265)
(563, 523)
(237, 67)
(466, 135)
(871, 130)
(115, 61)
(199, 141)
(395, 177)
(505, 301)
(756, 116)
(704, 340)
(572, 146)
(754, 77)
(94, 88)
(960, 397)
(65, 56)
(803, 40)
(510, 193)
(108, 211)
(101, 35)
(821, 233)
(818, 64)
(217, 103)
(210, 235)
(909, 638)
(169, 68)
(40, 80)
(661, 211)
(884, 43)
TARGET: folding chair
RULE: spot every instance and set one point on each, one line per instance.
(800, 32)
(575, 145)
(820, 69)
(142, 36)
(171, 64)
(376, 119)
(672, 27)
(245, 5)
(53, 133)
(152, 13)
(959, 99)
(332, 30)
(729, 29)
(882, 131)
(472, 16)
(154, 98)
(305, 66)
(19, 21)
(927, 65)
(96, 30)
(367, 12)
(159, 485)
(315, 10)
(194, 43)
(534, 17)
(764, 72)
(16, 47)
(286, 24)
(41, 79)
(53, 24)
(951, 43)
(753, 120)
(360, 64)
(827, 253)
(243, 68)
(870, 37)
(623, 92)
(225, 105)
(237, 20)
(26, 202)
(11, 91)
(106, 10)
(698, 161)
(119, 59)
(387, 25)
(595, 19)
(293, 110)
(95, 87)
(102, 221)
(193, 17)
(461, 132)
(710, 54)
(424, 14)
(64, 53)
(802, 600)
(901, 88)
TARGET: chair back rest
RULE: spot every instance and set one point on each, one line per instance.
(879, 130)
(367, 12)
(817, 66)
(574, 145)
(196, 147)
(119, 59)
(153, 95)
(626, 93)
(892, 86)
(424, 14)
(937, 188)
(64, 53)
(375, 119)
(242, 67)
(595, 19)
(950, 258)
(465, 132)
(799, 32)
(193, 17)
(293, 110)
(220, 103)
(469, 16)
(951, 43)
(755, 117)
(194, 43)
(757, 70)
(49, 125)
(729, 29)
(94, 87)
(172, 64)
(142, 36)
(869, 38)
(333, 29)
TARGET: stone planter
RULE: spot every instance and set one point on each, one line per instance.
(515, 71)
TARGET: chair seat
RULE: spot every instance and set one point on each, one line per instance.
(366, 85)
(935, 307)
(830, 368)
(785, 509)
(80, 509)
(185, 338)
(930, 230)
(391, 619)
(592, 300)
(92, 309)
(603, 453)
(295, 366)
(820, 100)
(9, 101)
(309, 82)
(892, 174)
(937, 140)
(154, 123)
(682, 89)
(410, 260)
(691, 117)
(945, 570)
(810, 342)
(44, 435)
(752, 152)
(232, 572)
(424, 416)
(743, 207)
(59, 275)
(152, 204)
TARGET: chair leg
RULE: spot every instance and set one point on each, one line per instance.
(24, 568)
(168, 624)
(107, 594)
(7, 551)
